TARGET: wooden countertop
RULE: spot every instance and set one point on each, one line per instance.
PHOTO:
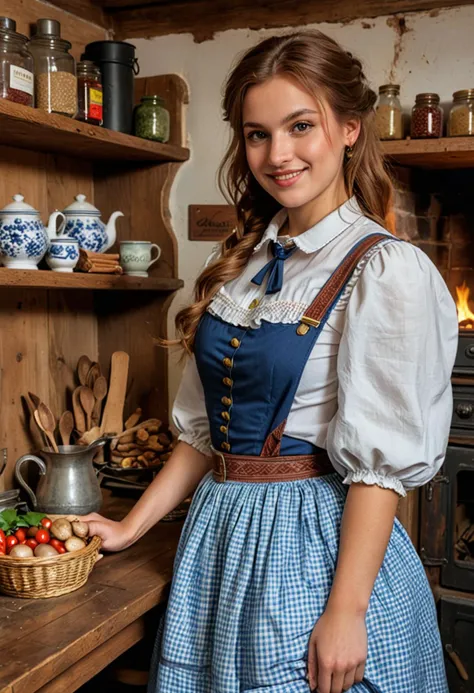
(56, 645)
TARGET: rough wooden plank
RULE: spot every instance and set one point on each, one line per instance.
(31, 279)
(446, 152)
(76, 29)
(32, 662)
(85, 669)
(33, 129)
(86, 9)
(205, 17)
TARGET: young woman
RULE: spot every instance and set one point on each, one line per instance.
(321, 350)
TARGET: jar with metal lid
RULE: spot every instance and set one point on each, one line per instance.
(55, 69)
(151, 119)
(388, 114)
(16, 65)
(461, 115)
(426, 117)
(89, 93)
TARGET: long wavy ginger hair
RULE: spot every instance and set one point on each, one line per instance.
(321, 66)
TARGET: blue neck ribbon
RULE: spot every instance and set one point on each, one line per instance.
(274, 269)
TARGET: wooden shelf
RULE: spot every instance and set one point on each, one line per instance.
(30, 128)
(45, 279)
(447, 152)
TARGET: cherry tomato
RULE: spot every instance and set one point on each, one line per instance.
(42, 536)
(20, 534)
(11, 542)
(61, 549)
(32, 543)
(57, 544)
(46, 522)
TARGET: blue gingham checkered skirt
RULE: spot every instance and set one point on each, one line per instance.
(252, 575)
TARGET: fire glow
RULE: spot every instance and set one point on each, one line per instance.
(465, 315)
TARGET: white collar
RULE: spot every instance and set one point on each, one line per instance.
(321, 233)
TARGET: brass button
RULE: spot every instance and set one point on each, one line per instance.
(302, 329)
(225, 446)
(223, 429)
(234, 342)
(225, 415)
(227, 362)
(227, 401)
(228, 381)
(254, 304)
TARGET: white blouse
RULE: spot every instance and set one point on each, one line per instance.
(376, 390)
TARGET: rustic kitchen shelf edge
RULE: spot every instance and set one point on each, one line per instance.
(31, 128)
(445, 152)
(44, 279)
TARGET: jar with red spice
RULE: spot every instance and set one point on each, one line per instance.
(426, 117)
(90, 93)
(16, 65)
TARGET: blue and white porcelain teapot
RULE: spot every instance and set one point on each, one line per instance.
(23, 238)
(83, 223)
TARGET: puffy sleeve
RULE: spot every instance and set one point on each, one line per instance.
(395, 360)
(189, 411)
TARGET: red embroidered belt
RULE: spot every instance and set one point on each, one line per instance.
(264, 469)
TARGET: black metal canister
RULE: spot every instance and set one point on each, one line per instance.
(118, 65)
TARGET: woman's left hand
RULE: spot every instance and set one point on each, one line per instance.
(337, 651)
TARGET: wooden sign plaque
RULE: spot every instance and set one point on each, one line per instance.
(211, 222)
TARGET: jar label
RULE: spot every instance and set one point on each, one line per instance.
(95, 104)
(21, 79)
(95, 96)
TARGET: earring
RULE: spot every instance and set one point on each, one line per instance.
(349, 152)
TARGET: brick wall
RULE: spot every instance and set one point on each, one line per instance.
(435, 211)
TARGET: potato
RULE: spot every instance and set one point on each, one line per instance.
(61, 529)
(31, 531)
(21, 551)
(80, 529)
(74, 544)
(44, 550)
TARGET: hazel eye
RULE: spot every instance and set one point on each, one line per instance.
(302, 127)
(256, 135)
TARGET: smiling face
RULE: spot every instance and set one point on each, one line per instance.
(294, 151)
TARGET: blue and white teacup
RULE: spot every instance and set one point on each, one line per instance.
(63, 254)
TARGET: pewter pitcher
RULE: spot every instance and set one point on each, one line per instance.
(68, 483)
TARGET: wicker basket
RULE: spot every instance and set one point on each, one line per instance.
(39, 578)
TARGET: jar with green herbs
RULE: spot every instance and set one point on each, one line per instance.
(461, 115)
(388, 114)
(151, 120)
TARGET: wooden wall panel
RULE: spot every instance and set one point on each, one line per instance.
(73, 28)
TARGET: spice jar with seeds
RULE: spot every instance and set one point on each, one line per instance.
(16, 65)
(426, 117)
(388, 114)
(55, 69)
(461, 115)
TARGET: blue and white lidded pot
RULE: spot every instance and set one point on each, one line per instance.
(83, 223)
(23, 238)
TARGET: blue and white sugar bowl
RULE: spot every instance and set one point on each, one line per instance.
(83, 223)
(63, 254)
(23, 237)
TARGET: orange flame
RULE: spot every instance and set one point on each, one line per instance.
(462, 304)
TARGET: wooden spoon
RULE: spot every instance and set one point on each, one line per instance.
(47, 423)
(79, 416)
(89, 436)
(87, 400)
(83, 367)
(112, 419)
(100, 391)
(66, 427)
(94, 373)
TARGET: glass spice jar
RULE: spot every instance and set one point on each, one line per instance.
(426, 117)
(461, 115)
(55, 69)
(89, 93)
(16, 65)
(151, 120)
(388, 114)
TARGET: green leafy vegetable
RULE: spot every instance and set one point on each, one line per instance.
(10, 520)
